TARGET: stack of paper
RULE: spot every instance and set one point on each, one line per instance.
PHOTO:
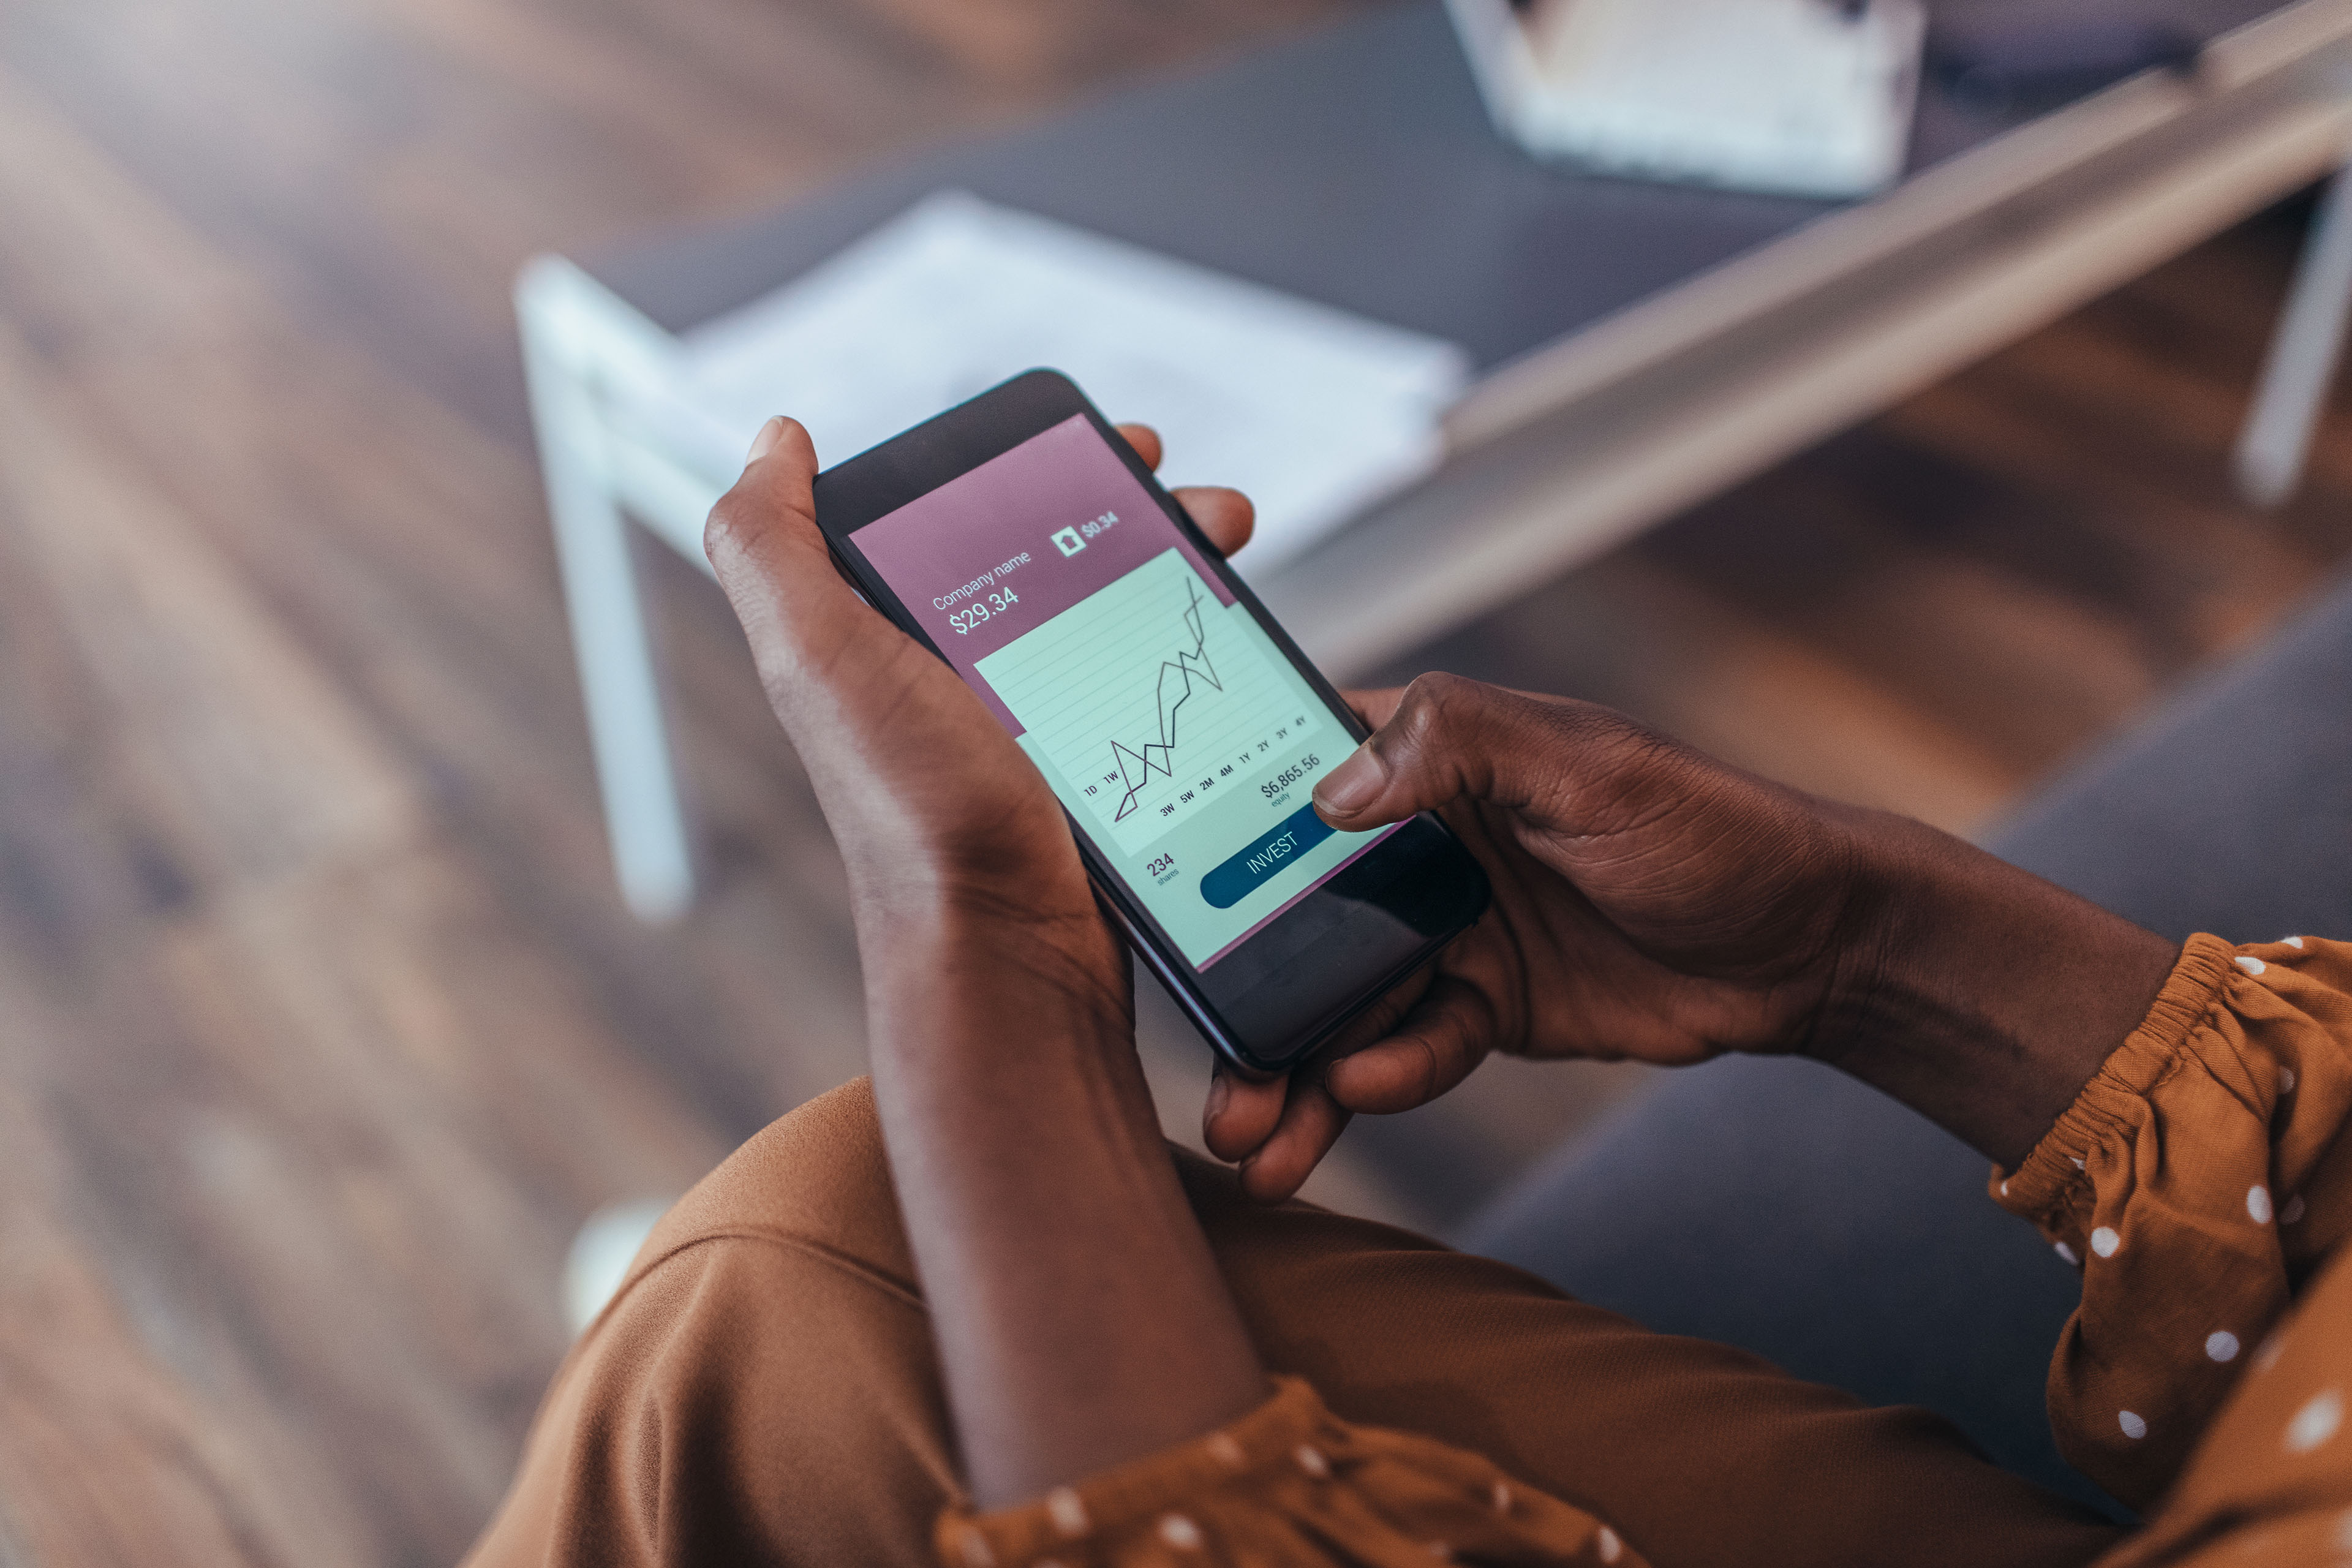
(1311, 410)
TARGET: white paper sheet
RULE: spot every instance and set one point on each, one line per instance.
(1313, 411)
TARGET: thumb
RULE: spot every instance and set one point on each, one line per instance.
(771, 508)
(772, 560)
(1564, 764)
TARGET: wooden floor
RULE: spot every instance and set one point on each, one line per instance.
(320, 1027)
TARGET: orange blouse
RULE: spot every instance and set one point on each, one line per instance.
(2198, 1182)
(1289, 1483)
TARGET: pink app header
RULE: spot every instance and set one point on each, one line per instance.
(1001, 550)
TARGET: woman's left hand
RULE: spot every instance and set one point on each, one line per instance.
(1019, 1131)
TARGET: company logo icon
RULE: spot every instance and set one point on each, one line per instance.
(1067, 541)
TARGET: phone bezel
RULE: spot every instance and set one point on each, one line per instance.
(881, 479)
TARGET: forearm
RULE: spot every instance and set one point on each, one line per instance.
(1979, 995)
(1080, 1317)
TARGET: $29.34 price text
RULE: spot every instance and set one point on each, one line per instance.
(982, 610)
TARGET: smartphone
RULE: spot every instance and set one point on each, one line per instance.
(1019, 537)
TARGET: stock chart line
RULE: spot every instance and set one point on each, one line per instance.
(1183, 669)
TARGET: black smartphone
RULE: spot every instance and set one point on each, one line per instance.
(1019, 537)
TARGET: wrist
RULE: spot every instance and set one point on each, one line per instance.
(919, 896)
(952, 957)
(1078, 1312)
(1977, 993)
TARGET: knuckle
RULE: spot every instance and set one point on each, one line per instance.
(1603, 731)
(729, 530)
(780, 678)
(1437, 688)
(1432, 729)
(1432, 705)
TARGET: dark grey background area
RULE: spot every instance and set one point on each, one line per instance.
(1355, 165)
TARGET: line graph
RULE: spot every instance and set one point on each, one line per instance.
(1135, 764)
(1151, 699)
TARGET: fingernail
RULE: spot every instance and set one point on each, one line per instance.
(1351, 787)
(765, 441)
(1221, 1090)
(1330, 1070)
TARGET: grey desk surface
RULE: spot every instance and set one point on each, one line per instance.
(1355, 166)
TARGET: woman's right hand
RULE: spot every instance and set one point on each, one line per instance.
(1654, 903)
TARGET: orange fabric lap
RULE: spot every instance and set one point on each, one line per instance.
(764, 1389)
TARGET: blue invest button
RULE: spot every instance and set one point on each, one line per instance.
(1300, 831)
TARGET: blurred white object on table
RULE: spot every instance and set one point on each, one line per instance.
(1797, 97)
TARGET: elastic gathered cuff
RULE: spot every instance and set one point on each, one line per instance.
(2053, 1182)
(2198, 1178)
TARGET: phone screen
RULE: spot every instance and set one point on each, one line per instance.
(1175, 731)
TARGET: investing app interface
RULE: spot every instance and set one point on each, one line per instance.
(1158, 710)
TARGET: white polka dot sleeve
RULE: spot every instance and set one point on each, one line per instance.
(2271, 1485)
(1289, 1484)
(2199, 1183)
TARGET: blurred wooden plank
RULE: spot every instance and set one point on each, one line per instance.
(106, 1457)
(254, 765)
(329, 1067)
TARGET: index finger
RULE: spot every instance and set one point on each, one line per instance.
(1439, 1042)
(1146, 442)
(1279, 1131)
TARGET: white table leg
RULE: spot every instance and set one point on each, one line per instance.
(2302, 366)
(641, 812)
